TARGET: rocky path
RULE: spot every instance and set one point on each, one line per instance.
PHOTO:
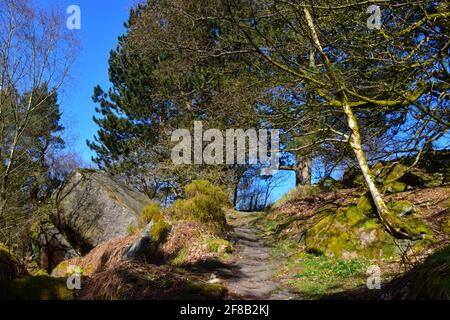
(251, 274)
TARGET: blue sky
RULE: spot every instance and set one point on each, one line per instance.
(101, 24)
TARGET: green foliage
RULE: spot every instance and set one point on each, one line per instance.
(203, 187)
(323, 266)
(27, 191)
(314, 275)
(152, 212)
(160, 231)
(204, 202)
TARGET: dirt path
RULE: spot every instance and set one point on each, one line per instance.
(251, 274)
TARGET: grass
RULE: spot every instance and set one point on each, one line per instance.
(314, 276)
(181, 257)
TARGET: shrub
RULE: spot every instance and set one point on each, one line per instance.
(297, 194)
(152, 212)
(204, 202)
(203, 187)
(160, 231)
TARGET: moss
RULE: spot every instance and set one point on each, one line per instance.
(355, 215)
(351, 232)
(35, 231)
(36, 288)
(181, 257)
(395, 187)
(416, 228)
(8, 264)
(61, 270)
(365, 205)
(160, 231)
(401, 208)
(220, 246)
(330, 184)
(397, 171)
(39, 273)
(404, 214)
(446, 202)
(398, 178)
(205, 291)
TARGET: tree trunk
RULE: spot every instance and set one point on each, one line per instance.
(355, 139)
(303, 171)
(235, 195)
(303, 167)
(355, 142)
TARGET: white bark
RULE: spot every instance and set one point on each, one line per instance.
(355, 138)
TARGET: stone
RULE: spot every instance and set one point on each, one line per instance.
(95, 207)
(53, 247)
(9, 266)
(141, 245)
(148, 243)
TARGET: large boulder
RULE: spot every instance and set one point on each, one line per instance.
(94, 207)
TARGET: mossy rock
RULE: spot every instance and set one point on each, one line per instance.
(353, 178)
(350, 234)
(355, 231)
(9, 265)
(395, 187)
(219, 246)
(405, 215)
(35, 288)
(402, 208)
(401, 178)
